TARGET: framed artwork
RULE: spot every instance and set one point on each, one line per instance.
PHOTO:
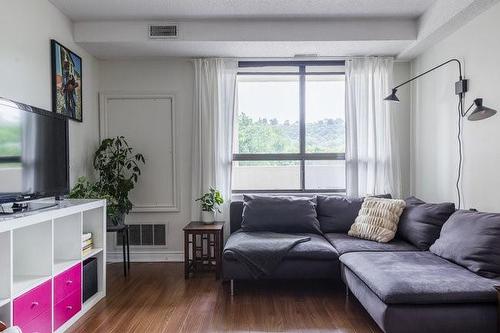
(66, 82)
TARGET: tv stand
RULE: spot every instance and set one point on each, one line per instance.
(41, 261)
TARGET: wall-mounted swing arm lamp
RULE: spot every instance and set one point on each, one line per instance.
(480, 112)
(461, 87)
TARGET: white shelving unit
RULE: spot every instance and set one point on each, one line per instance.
(37, 246)
(92, 253)
(4, 301)
(62, 265)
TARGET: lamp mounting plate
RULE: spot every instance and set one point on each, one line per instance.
(461, 87)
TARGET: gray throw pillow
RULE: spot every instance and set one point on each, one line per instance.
(421, 223)
(285, 214)
(472, 240)
(337, 214)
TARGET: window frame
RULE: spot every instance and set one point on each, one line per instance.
(302, 156)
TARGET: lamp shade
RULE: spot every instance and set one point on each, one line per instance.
(392, 97)
(480, 112)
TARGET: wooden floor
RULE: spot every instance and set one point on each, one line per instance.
(156, 298)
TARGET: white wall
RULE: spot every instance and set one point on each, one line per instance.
(174, 77)
(402, 113)
(434, 117)
(26, 27)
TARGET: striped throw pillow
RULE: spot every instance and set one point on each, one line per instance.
(378, 219)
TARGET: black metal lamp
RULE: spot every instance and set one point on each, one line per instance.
(480, 111)
(461, 87)
(392, 97)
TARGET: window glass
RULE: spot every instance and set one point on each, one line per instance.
(268, 114)
(325, 114)
(266, 175)
(325, 69)
(323, 175)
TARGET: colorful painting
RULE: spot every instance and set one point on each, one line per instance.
(66, 82)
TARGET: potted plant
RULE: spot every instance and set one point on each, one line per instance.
(118, 171)
(210, 203)
(85, 189)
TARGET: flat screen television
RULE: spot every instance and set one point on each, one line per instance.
(33, 152)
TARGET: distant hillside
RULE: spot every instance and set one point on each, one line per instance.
(270, 136)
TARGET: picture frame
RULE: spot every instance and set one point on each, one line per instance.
(67, 82)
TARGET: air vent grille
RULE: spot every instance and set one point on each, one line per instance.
(146, 235)
(163, 31)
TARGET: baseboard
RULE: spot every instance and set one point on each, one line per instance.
(144, 256)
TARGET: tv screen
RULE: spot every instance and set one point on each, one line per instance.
(33, 152)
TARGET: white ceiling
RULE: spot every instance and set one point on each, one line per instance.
(137, 50)
(96, 10)
(117, 29)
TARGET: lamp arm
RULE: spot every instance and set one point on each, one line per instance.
(434, 68)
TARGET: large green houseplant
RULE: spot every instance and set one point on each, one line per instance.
(85, 189)
(118, 170)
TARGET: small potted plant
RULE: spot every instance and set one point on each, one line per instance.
(210, 203)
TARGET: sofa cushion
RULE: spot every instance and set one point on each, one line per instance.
(421, 222)
(418, 278)
(337, 214)
(280, 214)
(317, 248)
(344, 244)
(378, 219)
(471, 239)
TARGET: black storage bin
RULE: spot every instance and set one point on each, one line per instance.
(89, 278)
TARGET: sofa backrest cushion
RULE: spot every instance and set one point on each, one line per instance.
(471, 239)
(421, 222)
(235, 215)
(337, 214)
(284, 214)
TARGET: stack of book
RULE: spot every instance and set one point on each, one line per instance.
(87, 243)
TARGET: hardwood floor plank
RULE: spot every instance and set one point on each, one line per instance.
(156, 298)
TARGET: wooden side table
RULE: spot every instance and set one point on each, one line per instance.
(203, 248)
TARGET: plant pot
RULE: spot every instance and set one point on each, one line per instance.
(207, 217)
(114, 221)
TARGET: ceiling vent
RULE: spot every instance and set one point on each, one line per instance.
(169, 31)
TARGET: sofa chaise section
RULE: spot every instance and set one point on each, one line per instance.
(420, 292)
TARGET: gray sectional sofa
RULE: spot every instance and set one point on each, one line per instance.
(403, 286)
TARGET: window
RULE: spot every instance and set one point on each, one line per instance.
(290, 127)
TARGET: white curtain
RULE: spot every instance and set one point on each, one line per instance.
(371, 147)
(214, 100)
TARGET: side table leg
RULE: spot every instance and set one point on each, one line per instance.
(218, 257)
(186, 255)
